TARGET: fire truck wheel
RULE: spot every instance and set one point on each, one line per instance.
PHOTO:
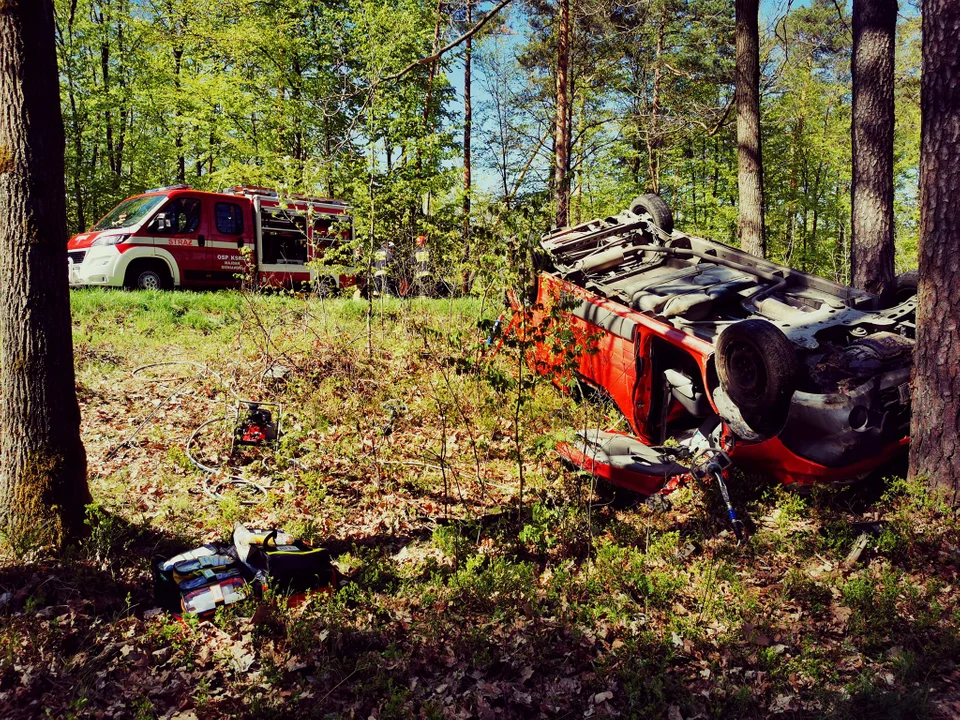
(655, 206)
(758, 368)
(148, 276)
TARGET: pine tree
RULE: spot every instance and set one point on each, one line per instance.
(935, 425)
(749, 154)
(871, 249)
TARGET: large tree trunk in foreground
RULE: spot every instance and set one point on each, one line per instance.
(43, 469)
(749, 158)
(871, 252)
(562, 126)
(935, 428)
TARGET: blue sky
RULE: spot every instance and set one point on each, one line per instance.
(770, 12)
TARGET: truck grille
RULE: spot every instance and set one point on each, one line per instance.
(76, 256)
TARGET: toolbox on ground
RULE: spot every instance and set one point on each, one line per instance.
(199, 581)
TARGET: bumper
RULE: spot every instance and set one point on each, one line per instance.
(772, 458)
(100, 266)
(843, 429)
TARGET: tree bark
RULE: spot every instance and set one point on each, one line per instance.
(68, 68)
(874, 31)
(749, 157)
(178, 141)
(467, 129)
(561, 129)
(43, 486)
(653, 135)
(935, 425)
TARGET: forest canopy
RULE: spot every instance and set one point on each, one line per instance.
(299, 95)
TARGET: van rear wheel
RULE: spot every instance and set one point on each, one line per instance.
(903, 287)
(656, 207)
(148, 276)
(758, 369)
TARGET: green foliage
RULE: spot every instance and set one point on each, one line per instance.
(550, 526)
(300, 96)
(108, 536)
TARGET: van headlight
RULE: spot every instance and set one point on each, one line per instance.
(109, 240)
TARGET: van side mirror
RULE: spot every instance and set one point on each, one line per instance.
(162, 221)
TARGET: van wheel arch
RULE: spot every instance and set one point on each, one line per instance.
(148, 274)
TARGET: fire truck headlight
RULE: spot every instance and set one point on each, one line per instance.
(109, 240)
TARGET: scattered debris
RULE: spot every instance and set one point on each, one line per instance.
(859, 545)
(199, 581)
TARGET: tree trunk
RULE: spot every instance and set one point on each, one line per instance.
(78, 195)
(329, 158)
(104, 21)
(178, 141)
(581, 150)
(653, 135)
(467, 128)
(428, 102)
(749, 158)
(935, 426)
(122, 84)
(43, 469)
(874, 30)
(562, 132)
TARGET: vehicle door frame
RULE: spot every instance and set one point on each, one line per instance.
(226, 256)
(187, 250)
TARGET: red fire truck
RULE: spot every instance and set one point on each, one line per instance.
(180, 237)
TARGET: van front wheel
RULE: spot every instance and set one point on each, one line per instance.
(147, 276)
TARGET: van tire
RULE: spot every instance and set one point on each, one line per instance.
(655, 206)
(148, 275)
(903, 287)
(758, 370)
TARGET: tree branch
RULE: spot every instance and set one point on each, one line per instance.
(463, 38)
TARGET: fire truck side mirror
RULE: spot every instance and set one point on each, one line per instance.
(162, 221)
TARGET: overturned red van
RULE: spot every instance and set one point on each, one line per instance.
(705, 348)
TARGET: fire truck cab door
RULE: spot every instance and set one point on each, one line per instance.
(180, 231)
(231, 239)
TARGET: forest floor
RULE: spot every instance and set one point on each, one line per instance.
(457, 601)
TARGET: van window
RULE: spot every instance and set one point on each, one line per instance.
(129, 212)
(184, 215)
(229, 218)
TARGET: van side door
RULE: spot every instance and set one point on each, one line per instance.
(180, 231)
(231, 240)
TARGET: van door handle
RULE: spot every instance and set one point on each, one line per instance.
(202, 240)
(239, 242)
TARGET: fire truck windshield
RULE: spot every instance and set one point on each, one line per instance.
(130, 212)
